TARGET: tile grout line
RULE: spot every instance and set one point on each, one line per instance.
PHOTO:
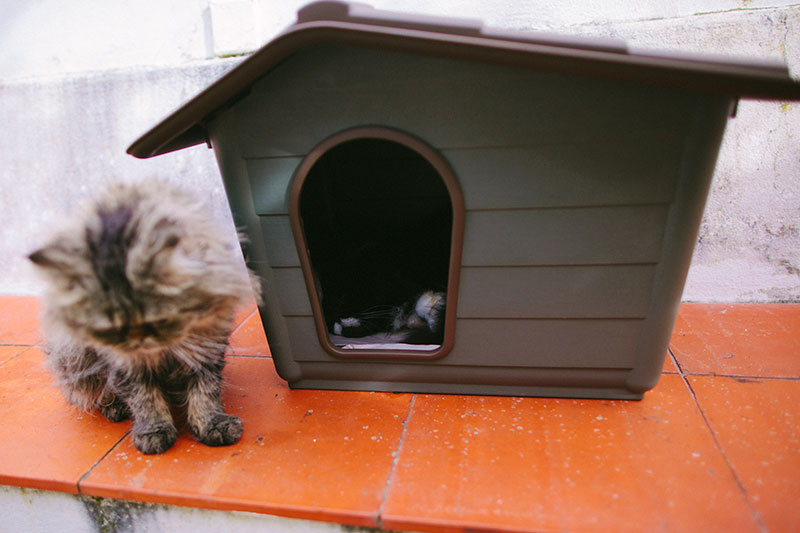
(246, 356)
(741, 376)
(91, 468)
(13, 344)
(754, 513)
(243, 322)
(395, 461)
(15, 355)
(675, 361)
(683, 372)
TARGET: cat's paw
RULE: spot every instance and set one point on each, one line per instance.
(116, 411)
(223, 429)
(155, 439)
(348, 327)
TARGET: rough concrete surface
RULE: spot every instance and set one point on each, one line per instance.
(40, 511)
(62, 139)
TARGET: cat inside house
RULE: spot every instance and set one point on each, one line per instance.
(377, 219)
(140, 290)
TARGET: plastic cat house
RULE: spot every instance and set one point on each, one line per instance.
(568, 177)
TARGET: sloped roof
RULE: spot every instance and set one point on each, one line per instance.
(334, 22)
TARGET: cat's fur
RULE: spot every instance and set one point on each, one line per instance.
(140, 292)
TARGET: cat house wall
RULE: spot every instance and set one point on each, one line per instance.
(579, 178)
(563, 238)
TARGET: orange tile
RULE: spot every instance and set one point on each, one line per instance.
(248, 338)
(556, 465)
(9, 352)
(45, 442)
(19, 322)
(306, 454)
(757, 424)
(243, 314)
(669, 365)
(738, 340)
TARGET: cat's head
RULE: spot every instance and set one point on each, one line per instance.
(138, 269)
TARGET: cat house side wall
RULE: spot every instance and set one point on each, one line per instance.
(576, 240)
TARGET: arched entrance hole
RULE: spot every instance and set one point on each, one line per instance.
(376, 215)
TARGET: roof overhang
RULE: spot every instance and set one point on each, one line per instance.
(331, 22)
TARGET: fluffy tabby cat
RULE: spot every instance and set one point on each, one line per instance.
(140, 293)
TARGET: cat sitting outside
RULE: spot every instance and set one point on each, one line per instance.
(140, 291)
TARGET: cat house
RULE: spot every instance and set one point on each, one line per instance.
(548, 188)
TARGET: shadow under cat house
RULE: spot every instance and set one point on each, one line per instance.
(436, 206)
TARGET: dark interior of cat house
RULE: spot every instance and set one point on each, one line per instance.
(377, 219)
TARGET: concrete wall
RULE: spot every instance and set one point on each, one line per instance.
(41, 511)
(80, 80)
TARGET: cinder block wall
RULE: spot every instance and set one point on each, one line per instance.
(80, 80)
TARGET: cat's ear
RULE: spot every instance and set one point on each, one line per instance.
(52, 257)
(171, 242)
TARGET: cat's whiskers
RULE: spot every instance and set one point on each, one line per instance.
(377, 314)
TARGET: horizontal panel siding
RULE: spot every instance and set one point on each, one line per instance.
(535, 292)
(524, 177)
(279, 241)
(564, 236)
(449, 103)
(269, 183)
(546, 343)
(555, 292)
(635, 171)
(510, 343)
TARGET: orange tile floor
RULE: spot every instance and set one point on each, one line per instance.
(714, 447)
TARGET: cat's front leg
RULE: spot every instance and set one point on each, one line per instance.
(113, 408)
(206, 415)
(153, 430)
(83, 377)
